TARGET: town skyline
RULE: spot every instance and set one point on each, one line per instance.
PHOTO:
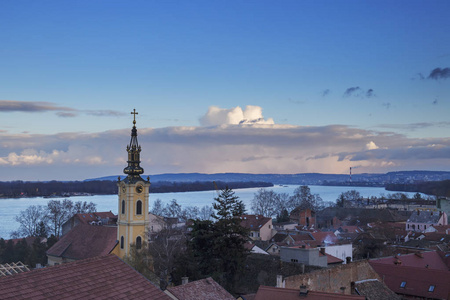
(245, 87)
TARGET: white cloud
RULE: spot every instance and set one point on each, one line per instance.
(371, 146)
(217, 116)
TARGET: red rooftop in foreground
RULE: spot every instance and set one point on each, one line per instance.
(103, 277)
(271, 293)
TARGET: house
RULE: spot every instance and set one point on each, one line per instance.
(102, 277)
(252, 248)
(304, 255)
(260, 227)
(285, 226)
(303, 217)
(421, 219)
(94, 218)
(270, 293)
(423, 275)
(200, 289)
(156, 223)
(282, 239)
(83, 241)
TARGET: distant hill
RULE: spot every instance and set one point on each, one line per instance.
(365, 179)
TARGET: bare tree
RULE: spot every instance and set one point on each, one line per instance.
(30, 221)
(206, 213)
(157, 208)
(264, 203)
(304, 199)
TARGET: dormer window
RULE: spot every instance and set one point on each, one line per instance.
(403, 284)
(431, 288)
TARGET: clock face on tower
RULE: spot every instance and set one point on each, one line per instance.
(139, 189)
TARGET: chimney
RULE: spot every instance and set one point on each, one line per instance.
(322, 250)
(303, 291)
(348, 259)
(280, 281)
(184, 280)
(342, 289)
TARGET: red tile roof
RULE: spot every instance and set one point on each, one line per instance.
(429, 260)
(416, 281)
(85, 241)
(201, 289)
(325, 237)
(95, 216)
(271, 293)
(105, 277)
(253, 222)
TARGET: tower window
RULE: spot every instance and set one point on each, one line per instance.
(123, 206)
(138, 242)
(139, 207)
(121, 242)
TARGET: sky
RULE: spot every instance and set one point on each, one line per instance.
(223, 86)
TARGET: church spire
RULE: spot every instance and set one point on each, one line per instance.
(134, 170)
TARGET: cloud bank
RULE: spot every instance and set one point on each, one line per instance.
(225, 148)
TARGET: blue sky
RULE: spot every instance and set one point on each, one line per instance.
(377, 72)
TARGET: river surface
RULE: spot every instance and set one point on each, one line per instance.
(11, 207)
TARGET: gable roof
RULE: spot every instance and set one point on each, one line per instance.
(270, 293)
(415, 281)
(104, 277)
(85, 241)
(424, 216)
(325, 237)
(423, 260)
(94, 216)
(201, 289)
(253, 222)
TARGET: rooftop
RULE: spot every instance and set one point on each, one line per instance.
(104, 277)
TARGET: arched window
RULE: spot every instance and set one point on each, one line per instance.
(139, 207)
(121, 242)
(138, 242)
(123, 206)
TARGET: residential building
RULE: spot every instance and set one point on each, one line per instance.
(260, 227)
(421, 220)
(95, 218)
(423, 275)
(83, 241)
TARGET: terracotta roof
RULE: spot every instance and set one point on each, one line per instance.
(302, 237)
(324, 237)
(423, 260)
(253, 222)
(105, 277)
(85, 241)
(94, 216)
(201, 289)
(279, 237)
(375, 290)
(270, 293)
(441, 228)
(420, 282)
(333, 259)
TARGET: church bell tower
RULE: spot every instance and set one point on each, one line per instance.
(133, 199)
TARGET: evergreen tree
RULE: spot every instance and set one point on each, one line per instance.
(219, 246)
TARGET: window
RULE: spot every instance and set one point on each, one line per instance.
(139, 207)
(123, 206)
(403, 284)
(294, 260)
(431, 288)
(138, 242)
(121, 242)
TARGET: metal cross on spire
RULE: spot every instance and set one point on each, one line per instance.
(134, 117)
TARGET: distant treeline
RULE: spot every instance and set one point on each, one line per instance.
(436, 188)
(15, 189)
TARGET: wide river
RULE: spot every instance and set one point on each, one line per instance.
(11, 207)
